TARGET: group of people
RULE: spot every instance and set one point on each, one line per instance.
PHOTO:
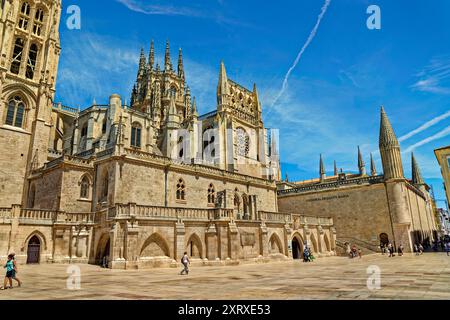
(353, 251)
(390, 249)
(11, 273)
(308, 255)
(419, 248)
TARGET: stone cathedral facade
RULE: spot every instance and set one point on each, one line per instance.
(135, 184)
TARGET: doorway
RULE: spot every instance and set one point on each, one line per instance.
(34, 250)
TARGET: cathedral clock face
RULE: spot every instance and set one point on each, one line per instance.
(242, 142)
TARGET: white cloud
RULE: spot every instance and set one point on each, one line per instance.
(300, 54)
(435, 77)
(441, 134)
(425, 126)
(93, 69)
(152, 9)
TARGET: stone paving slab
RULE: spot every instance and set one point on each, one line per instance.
(408, 277)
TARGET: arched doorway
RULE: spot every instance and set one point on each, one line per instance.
(384, 239)
(297, 247)
(34, 250)
(194, 247)
(103, 250)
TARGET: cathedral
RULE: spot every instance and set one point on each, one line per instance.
(138, 184)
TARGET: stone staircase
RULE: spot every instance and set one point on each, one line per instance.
(366, 247)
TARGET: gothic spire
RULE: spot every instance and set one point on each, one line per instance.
(194, 108)
(151, 58)
(188, 102)
(387, 135)
(256, 97)
(142, 63)
(390, 150)
(416, 174)
(361, 164)
(373, 169)
(322, 170)
(167, 62)
(222, 86)
(335, 168)
(180, 64)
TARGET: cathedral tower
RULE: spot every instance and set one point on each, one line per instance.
(389, 150)
(29, 56)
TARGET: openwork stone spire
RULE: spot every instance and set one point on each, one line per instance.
(167, 61)
(180, 64)
(151, 58)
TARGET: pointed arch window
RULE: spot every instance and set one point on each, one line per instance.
(211, 194)
(136, 131)
(181, 190)
(24, 16)
(84, 188)
(38, 22)
(31, 64)
(16, 112)
(242, 142)
(16, 58)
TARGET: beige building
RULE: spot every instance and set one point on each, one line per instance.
(135, 184)
(443, 158)
(369, 209)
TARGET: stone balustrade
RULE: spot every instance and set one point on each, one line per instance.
(35, 216)
(5, 213)
(274, 216)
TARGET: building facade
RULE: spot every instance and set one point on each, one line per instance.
(369, 208)
(139, 184)
(443, 158)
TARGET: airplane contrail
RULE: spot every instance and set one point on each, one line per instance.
(310, 38)
(436, 136)
(425, 126)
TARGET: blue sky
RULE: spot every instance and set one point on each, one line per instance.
(333, 95)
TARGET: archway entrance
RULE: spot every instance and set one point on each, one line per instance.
(384, 239)
(34, 250)
(296, 249)
(103, 251)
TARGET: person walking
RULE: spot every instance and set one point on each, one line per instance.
(420, 248)
(11, 270)
(360, 253)
(391, 250)
(448, 248)
(416, 249)
(400, 250)
(185, 261)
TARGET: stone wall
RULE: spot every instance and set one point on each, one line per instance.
(13, 162)
(358, 212)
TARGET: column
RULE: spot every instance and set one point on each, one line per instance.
(180, 233)
(264, 245)
(287, 241)
(211, 242)
(233, 241)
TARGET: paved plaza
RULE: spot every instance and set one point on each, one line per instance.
(407, 277)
